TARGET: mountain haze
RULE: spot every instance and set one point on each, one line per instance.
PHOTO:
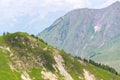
(88, 33)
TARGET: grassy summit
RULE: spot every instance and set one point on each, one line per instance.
(25, 57)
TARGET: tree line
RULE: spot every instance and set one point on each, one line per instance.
(100, 65)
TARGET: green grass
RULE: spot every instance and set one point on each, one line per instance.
(26, 52)
(72, 66)
(75, 68)
(101, 73)
(35, 73)
(5, 72)
(109, 54)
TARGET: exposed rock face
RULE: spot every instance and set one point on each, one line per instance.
(88, 33)
(35, 60)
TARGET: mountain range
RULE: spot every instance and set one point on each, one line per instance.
(88, 33)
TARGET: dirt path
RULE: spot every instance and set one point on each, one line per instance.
(59, 60)
(25, 76)
(48, 75)
(88, 76)
(7, 49)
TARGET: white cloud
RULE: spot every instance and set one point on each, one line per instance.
(65, 4)
(43, 7)
(11, 10)
(107, 3)
(4, 3)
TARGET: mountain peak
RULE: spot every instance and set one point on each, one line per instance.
(117, 3)
(87, 32)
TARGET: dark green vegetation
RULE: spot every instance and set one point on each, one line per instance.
(99, 73)
(25, 57)
(106, 67)
(88, 33)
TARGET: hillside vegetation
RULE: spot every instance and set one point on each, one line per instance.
(25, 57)
(88, 33)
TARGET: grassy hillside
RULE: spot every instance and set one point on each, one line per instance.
(110, 49)
(25, 57)
(91, 37)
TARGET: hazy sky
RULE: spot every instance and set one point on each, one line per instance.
(33, 16)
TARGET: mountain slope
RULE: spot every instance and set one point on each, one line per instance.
(25, 57)
(86, 32)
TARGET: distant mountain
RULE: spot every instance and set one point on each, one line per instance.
(88, 33)
(25, 57)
